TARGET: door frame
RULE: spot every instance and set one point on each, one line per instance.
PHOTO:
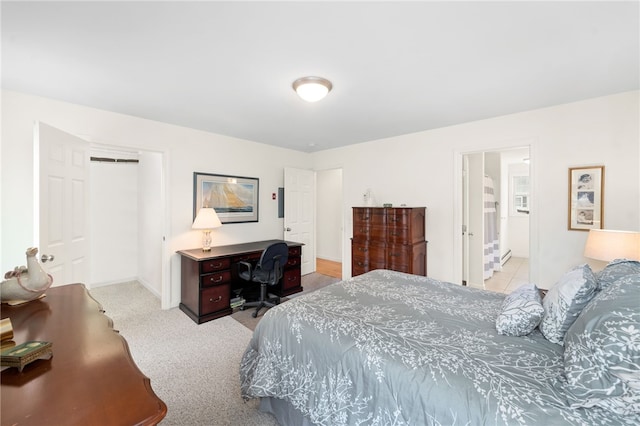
(457, 256)
(166, 296)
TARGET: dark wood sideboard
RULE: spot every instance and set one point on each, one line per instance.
(91, 378)
(209, 279)
(389, 238)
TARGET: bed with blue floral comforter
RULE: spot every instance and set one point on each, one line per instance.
(387, 348)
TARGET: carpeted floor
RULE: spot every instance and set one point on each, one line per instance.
(310, 282)
(193, 368)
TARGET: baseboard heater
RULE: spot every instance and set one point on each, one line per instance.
(505, 257)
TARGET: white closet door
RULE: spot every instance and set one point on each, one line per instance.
(63, 200)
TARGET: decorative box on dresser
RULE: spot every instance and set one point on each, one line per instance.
(389, 238)
(209, 278)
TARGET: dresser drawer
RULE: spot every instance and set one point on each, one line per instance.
(369, 232)
(214, 279)
(291, 278)
(365, 216)
(360, 266)
(212, 265)
(371, 252)
(214, 299)
(399, 258)
(398, 234)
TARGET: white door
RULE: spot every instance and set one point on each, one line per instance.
(465, 220)
(475, 227)
(299, 211)
(63, 206)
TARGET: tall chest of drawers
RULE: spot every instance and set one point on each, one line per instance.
(389, 238)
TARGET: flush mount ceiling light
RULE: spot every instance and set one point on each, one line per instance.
(312, 89)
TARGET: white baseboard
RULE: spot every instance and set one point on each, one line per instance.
(127, 280)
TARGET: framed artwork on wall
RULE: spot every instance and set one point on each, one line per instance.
(586, 195)
(234, 198)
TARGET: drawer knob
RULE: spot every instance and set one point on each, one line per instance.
(219, 298)
(215, 265)
(217, 280)
(362, 249)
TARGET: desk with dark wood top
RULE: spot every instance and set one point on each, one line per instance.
(209, 279)
(91, 378)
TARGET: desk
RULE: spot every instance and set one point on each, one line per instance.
(91, 379)
(209, 279)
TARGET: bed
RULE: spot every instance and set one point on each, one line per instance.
(388, 348)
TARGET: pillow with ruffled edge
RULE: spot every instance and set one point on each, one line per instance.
(521, 311)
(615, 270)
(565, 300)
(602, 350)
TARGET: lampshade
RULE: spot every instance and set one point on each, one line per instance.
(607, 245)
(207, 219)
(312, 89)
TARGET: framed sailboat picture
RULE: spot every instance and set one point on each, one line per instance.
(234, 198)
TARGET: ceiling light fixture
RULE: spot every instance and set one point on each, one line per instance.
(312, 89)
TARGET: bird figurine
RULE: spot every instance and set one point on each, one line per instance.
(24, 284)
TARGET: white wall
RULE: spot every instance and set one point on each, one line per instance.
(150, 220)
(113, 210)
(186, 151)
(329, 215)
(420, 169)
(518, 224)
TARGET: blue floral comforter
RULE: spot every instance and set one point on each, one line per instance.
(387, 348)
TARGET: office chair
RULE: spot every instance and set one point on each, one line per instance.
(267, 271)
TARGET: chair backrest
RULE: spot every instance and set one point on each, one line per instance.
(273, 260)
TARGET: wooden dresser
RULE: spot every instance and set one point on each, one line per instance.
(389, 238)
(91, 378)
(210, 279)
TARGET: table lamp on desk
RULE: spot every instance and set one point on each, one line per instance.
(207, 219)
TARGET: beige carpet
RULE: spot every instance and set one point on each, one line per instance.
(310, 282)
(193, 368)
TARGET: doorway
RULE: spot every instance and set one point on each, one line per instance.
(329, 222)
(496, 201)
(144, 186)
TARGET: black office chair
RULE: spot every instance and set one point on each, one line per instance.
(267, 271)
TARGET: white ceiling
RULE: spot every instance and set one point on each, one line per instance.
(396, 67)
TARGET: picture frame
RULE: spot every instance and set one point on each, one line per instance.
(586, 196)
(234, 198)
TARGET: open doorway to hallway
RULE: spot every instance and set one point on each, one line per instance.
(329, 222)
(496, 199)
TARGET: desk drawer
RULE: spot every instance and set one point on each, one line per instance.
(212, 265)
(248, 257)
(214, 299)
(292, 262)
(295, 251)
(291, 278)
(214, 279)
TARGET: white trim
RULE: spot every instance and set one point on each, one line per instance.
(456, 257)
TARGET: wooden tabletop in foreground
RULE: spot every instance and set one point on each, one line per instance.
(91, 378)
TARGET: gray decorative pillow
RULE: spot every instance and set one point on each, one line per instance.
(565, 300)
(615, 270)
(521, 311)
(602, 350)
